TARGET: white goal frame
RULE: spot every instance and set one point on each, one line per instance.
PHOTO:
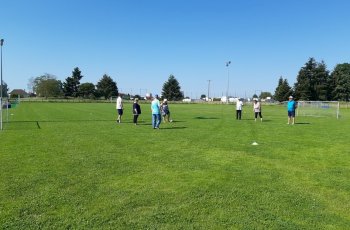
(318, 108)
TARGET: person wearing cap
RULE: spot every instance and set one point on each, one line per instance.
(291, 106)
(136, 110)
(165, 111)
(239, 105)
(257, 109)
(156, 117)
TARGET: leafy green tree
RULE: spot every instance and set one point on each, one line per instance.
(47, 86)
(31, 85)
(283, 90)
(4, 89)
(87, 90)
(340, 82)
(172, 90)
(264, 95)
(106, 87)
(71, 85)
(312, 82)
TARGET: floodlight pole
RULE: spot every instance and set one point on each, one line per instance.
(208, 88)
(228, 79)
(1, 43)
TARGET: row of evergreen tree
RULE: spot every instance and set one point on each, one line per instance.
(315, 83)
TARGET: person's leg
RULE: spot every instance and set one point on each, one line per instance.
(135, 118)
(169, 119)
(289, 118)
(159, 119)
(260, 116)
(240, 114)
(120, 113)
(154, 117)
(255, 116)
(236, 114)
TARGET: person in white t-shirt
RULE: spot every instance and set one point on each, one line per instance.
(119, 107)
(257, 109)
(239, 105)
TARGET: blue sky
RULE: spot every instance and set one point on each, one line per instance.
(140, 43)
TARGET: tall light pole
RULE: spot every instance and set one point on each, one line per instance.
(1, 43)
(208, 88)
(228, 79)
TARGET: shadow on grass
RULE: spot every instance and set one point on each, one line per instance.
(182, 127)
(206, 118)
(302, 123)
(21, 125)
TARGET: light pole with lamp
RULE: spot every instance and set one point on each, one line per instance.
(208, 88)
(1, 43)
(228, 80)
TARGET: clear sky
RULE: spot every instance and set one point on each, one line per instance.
(139, 43)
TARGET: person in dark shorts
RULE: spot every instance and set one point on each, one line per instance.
(136, 110)
(119, 107)
(291, 106)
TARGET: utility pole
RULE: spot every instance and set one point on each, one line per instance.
(228, 79)
(208, 88)
(1, 43)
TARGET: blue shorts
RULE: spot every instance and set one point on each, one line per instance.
(291, 113)
(120, 111)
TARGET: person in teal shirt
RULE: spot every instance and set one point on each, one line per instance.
(291, 106)
(156, 117)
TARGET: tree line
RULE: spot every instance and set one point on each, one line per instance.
(47, 85)
(315, 83)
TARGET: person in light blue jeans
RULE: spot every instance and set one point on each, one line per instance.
(156, 117)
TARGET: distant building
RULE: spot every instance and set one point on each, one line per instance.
(19, 92)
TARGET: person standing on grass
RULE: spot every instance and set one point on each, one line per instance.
(291, 106)
(119, 107)
(156, 117)
(239, 105)
(136, 110)
(165, 111)
(257, 109)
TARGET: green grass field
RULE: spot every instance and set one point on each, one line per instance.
(70, 166)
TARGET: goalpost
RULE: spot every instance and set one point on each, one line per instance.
(318, 108)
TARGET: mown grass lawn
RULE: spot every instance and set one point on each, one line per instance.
(71, 166)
